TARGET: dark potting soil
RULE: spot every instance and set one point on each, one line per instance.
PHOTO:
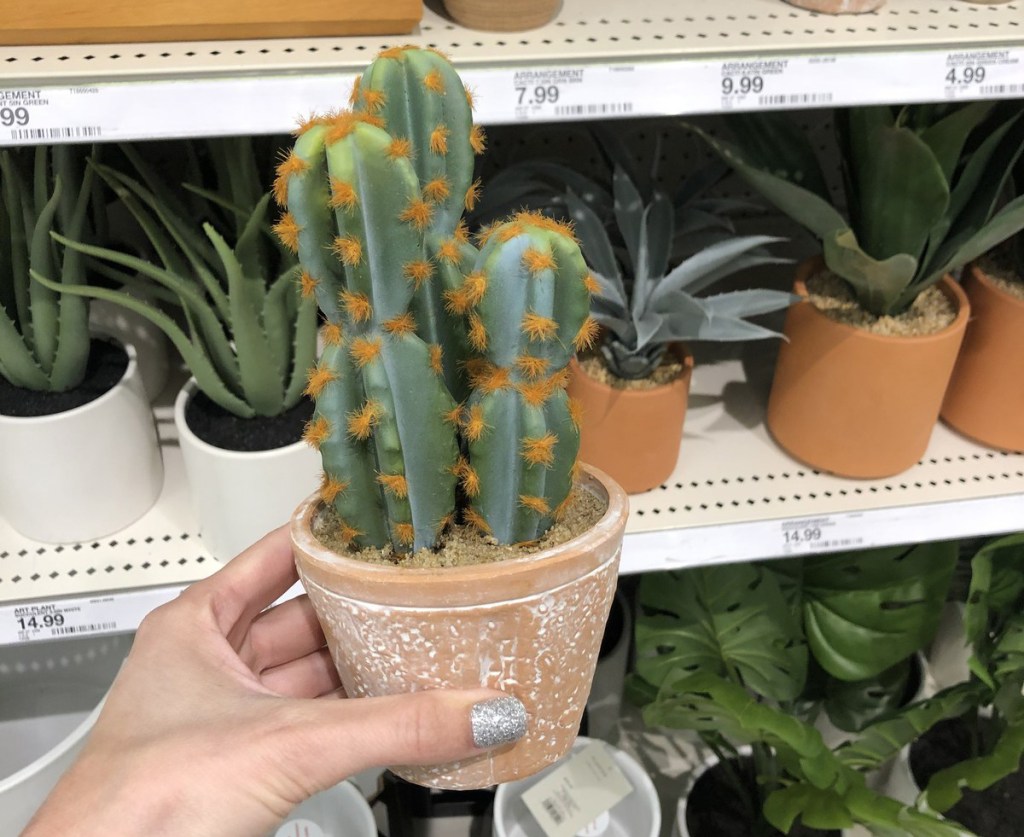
(106, 366)
(993, 812)
(714, 808)
(216, 426)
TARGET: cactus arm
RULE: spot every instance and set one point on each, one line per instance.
(263, 392)
(207, 377)
(350, 468)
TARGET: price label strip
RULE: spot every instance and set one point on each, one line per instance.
(818, 534)
(88, 616)
(984, 74)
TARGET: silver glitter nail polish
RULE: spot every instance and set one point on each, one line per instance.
(498, 721)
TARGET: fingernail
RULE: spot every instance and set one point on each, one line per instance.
(498, 721)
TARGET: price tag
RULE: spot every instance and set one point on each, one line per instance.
(985, 73)
(571, 798)
(818, 534)
(110, 614)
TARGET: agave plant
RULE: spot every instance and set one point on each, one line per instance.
(249, 332)
(44, 337)
(923, 187)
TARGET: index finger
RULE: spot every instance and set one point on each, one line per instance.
(250, 583)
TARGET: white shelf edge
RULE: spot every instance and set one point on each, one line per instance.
(633, 68)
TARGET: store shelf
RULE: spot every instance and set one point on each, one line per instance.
(734, 496)
(656, 57)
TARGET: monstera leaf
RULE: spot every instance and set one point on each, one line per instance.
(866, 611)
(726, 620)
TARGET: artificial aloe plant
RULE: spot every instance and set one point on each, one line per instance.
(44, 336)
(417, 316)
(249, 332)
(728, 652)
(923, 188)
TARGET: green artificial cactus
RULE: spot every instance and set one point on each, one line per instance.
(445, 366)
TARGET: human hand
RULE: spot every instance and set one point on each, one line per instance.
(226, 715)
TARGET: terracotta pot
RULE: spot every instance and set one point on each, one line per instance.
(985, 400)
(854, 403)
(838, 7)
(502, 15)
(529, 626)
(632, 434)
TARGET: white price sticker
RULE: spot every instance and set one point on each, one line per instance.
(818, 534)
(37, 115)
(571, 798)
(87, 616)
(985, 73)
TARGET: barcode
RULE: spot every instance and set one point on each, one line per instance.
(796, 99)
(95, 627)
(1001, 89)
(554, 811)
(593, 110)
(86, 132)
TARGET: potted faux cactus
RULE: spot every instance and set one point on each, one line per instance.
(77, 438)
(633, 385)
(247, 334)
(454, 541)
(861, 378)
(985, 400)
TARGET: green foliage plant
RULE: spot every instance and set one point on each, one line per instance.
(44, 336)
(729, 652)
(249, 333)
(433, 404)
(923, 189)
(629, 234)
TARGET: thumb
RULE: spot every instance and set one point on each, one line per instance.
(343, 737)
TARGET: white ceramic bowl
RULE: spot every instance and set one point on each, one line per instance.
(341, 811)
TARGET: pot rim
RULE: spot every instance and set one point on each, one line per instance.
(947, 285)
(131, 370)
(185, 434)
(984, 278)
(389, 577)
(681, 351)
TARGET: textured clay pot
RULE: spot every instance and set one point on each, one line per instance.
(632, 434)
(854, 403)
(838, 7)
(985, 400)
(528, 626)
(502, 15)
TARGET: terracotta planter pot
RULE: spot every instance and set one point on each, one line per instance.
(633, 435)
(854, 403)
(502, 15)
(985, 400)
(529, 626)
(838, 7)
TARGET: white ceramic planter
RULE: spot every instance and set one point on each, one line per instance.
(240, 496)
(149, 341)
(84, 473)
(636, 815)
(341, 811)
(50, 696)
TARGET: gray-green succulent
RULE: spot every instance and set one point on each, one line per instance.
(44, 335)
(923, 189)
(249, 332)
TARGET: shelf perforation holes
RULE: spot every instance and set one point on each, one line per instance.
(683, 497)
